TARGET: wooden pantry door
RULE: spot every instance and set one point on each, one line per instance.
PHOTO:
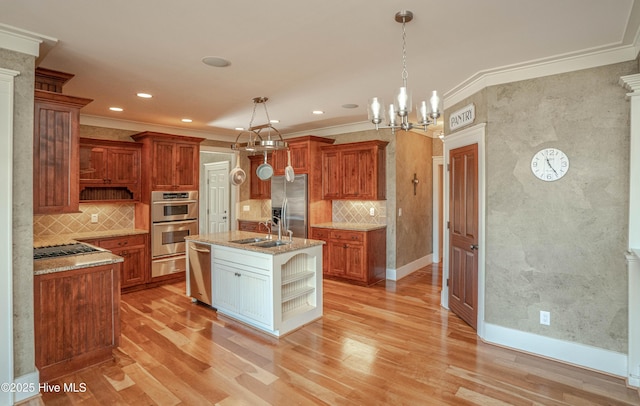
(463, 233)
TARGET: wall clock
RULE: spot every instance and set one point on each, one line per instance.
(549, 164)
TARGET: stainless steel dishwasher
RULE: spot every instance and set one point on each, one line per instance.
(199, 257)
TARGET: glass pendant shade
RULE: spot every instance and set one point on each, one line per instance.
(403, 102)
(435, 104)
(393, 116)
(376, 111)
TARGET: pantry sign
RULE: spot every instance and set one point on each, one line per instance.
(462, 117)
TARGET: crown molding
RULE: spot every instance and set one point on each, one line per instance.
(97, 121)
(26, 42)
(539, 68)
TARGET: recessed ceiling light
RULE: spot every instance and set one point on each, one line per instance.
(239, 128)
(318, 112)
(350, 106)
(216, 61)
(116, 109)
(144, 95)
(274, 121)
(187, 120)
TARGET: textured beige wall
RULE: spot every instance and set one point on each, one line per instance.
(384, 135)
(23, 336)
(558, 246)
(414, 236)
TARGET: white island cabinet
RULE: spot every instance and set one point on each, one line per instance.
(276, 289)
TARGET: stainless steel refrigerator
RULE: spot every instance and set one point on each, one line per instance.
(296, 194)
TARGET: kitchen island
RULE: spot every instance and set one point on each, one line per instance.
(272, 285)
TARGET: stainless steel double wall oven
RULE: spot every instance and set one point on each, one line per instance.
(174, 216)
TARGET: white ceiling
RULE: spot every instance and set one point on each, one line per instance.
(303, 55)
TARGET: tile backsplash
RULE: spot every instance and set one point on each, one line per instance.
(258, 209)
(355, 211)
(110, 217)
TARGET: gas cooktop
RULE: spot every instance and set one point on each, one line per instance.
(54, 251)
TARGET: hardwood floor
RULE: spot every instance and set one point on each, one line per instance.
(390, 344)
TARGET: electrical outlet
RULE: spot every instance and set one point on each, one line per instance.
(545, 318)
(246, 207)
(94, 218)
(372, 211)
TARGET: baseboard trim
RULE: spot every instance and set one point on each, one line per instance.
(585, 356)
(30, 380)
(399, 273)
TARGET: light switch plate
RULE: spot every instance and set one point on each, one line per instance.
(94, 218)
(246, 208)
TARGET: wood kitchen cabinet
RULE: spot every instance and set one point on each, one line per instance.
(299, 149)
(133, 248)
(258, 188)
(56, 148)
(174, 161)
(355, 171)
(354, 256)
(109, 170)
(76, 319)
(252, 226)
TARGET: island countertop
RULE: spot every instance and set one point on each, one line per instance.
(226, 239)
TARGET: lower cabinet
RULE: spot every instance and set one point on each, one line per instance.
(244, 292)
(133, 248)
(76, 319)
(252, 226)
(273, 293)
(354, 256)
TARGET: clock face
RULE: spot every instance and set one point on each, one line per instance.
(550, 164)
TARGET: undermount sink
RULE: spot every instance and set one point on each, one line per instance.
(249, 240)
(271, 244)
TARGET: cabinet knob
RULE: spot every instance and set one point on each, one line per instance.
(345, 246)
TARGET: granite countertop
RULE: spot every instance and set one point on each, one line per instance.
(225, 239)
(71, 262)
(351, 226)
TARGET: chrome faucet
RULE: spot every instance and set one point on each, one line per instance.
(278, 223)
(268, 224)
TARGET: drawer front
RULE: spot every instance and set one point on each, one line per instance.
(128, 241)
(319, 234)
(347, 235)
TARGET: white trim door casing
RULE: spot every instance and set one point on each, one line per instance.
(437, 162)
(468, 136)
(6, 225)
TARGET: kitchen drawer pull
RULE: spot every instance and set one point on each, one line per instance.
(204, 250)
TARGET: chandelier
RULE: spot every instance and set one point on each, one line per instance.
(399, 110)
(259, 141)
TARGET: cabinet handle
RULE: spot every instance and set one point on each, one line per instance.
(345, 246)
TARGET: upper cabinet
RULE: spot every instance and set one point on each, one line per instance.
(299, 151)
(109, 170)
(258, 188)
(55, 145)
(354, 171)
(174, 161)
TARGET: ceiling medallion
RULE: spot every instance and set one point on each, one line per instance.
(259, 141)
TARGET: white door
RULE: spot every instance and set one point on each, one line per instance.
(216, 213)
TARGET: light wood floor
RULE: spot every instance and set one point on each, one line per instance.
(391, 344)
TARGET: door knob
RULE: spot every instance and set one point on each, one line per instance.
(474, 247)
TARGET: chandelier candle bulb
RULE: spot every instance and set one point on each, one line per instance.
(376, 112)
(404, 102)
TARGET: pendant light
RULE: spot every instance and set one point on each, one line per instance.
(398, 111)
